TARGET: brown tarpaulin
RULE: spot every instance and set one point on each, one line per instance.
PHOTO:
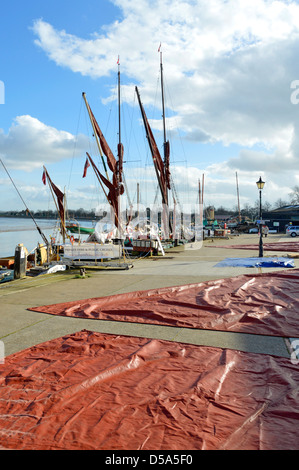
(282, 246)
(96, 391)
(263, 304)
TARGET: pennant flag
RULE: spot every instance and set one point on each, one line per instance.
(44, 177)
(85, 168)
(117, 60)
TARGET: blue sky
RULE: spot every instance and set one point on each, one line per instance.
(228, 69)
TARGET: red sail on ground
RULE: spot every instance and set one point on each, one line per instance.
(94, 391)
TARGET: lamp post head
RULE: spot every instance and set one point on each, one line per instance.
(260, 183)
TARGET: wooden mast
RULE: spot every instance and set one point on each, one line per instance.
(164, 126)
(119, 150)
(119, 117)
(151, 146)
(238, 197)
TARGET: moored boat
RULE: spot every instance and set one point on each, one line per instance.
(75, 227)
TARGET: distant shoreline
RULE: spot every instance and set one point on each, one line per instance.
(40, 217)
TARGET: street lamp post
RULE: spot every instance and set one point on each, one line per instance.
(260, 184)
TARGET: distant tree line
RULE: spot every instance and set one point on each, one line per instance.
(247, 210)
(253, 211)
(50, 214)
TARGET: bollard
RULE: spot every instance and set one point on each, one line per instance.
(20, 265)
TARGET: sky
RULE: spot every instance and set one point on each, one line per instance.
(231, 78)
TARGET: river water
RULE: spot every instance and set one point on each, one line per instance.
(23, 230)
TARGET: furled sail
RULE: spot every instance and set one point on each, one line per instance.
(162, 170)
(59, 198)
(111, 161)
(167, 164)
(116, 187)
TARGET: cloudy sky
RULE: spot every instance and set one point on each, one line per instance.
(231, 78)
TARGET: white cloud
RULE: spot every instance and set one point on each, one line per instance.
(30, 143)
(229, 66)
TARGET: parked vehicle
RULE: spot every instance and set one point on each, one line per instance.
(292, 230)
(244, 227)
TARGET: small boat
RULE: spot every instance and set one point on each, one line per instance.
(6, 275)
(75, 227)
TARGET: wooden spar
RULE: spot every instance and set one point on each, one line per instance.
(99, 180)
(150, 144)
(202, 195)
(238, 197)
(138, 200)
(199, 196)
(95, 134)
(200, 204)
(101, 184)
(37, 227)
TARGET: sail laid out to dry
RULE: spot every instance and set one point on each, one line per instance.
(263, 304)
(95, 391)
